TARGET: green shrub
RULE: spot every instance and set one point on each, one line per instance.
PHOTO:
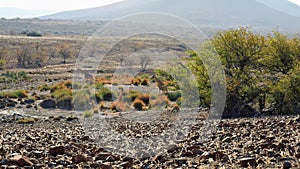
(179, 101)
(59, 94)
(44, 87)
(173, 96)
(133, 94)
(34, 34)
(15, 94)
(104, 94)
(99, 86)
(13, 76)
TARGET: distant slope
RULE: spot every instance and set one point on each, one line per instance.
(218, 13)
(284, 6)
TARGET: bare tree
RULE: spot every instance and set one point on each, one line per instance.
(65, 52)
(144, 61)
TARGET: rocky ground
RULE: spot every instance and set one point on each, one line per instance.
(62, 142)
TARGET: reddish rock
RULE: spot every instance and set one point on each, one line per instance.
(106, 165)
(78, 159)
(57, 150)
(21, 161)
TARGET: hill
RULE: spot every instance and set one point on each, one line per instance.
(217, 13)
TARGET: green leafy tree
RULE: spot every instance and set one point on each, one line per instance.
(282, 53)
(240, 51)
(286, 93)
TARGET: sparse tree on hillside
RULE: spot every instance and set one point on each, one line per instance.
(23, 57)
(65, 52)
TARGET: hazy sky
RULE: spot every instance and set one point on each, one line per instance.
(57, 5)
(44, 7)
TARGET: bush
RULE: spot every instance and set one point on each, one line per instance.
(34, 34)
(133, 94)
(44, 88)
(145, 82)
(104, 94)
(286, 94)
(13, 76)
(119, 106)
(179, 101)
(63, 92)
(144, 97)
(138, 104)
(15, 94)
(173, 96)
(136, 81)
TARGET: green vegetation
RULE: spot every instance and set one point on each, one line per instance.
(44, 87)
(261, 71)
(14, 76)
(173, 96)
(104, 94)
(34, 34)
(14, 94)
(2, 64)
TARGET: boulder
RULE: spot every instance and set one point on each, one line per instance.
(48, 104)
(65, 104)
(78, 159)
(29, 101)
(20, 161)
(57, 150)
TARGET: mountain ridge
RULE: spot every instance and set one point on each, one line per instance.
(218, 13)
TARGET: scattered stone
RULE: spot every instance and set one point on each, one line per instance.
(71, 118)
(287, 165)
(78, 159)
(21, 161)
(103, 156)
(246, 162)
(125, 164)
(172, 148)
(106, 165)
(57, 150)
(29, 101)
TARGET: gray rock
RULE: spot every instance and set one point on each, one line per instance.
(48, 104)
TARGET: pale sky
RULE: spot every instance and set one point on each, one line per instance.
(57, 5)
(44, 7)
